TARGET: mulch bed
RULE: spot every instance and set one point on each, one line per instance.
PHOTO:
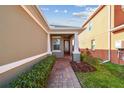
(82, 67)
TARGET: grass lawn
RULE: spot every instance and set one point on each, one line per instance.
(108, 75)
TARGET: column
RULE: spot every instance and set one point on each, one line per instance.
(49, 44)
(76, 43)
(76, 52)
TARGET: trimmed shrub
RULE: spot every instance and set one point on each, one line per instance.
(86, 56)
(89, 59)
(37, 77)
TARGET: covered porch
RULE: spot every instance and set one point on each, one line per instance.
(64, 43)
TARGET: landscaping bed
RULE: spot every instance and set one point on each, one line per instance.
(37, 77)
(82, 67)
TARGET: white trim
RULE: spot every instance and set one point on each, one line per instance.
(117, 28)
(49, 44)
(76, 43)
(7, 67)
(56, 37)
(105, 61)
(56, 50)
(57, 32)
(31, 15)
(37, 6)
(77, 52)
(89, 17)
(76, 30)
(65, 28)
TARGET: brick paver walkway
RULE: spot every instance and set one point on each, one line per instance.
(62, 75)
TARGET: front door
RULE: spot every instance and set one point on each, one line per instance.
(66, 47)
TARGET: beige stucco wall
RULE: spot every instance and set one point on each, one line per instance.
(99, 31)
(34, 10)
(20, 35)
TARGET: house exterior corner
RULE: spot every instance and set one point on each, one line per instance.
(98, 36)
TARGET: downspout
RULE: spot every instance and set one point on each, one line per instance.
(109, 35)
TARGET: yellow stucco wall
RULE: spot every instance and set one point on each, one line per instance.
(20, 36)
(99, 31)
(116, 36)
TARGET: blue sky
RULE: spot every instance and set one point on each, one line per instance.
(67, 15)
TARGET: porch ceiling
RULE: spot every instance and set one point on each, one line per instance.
(63, 35)
(65, 31)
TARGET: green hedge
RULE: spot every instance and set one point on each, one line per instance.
(37, 77)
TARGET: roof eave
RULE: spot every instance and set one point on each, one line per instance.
(93, 14)
(117, 28)
(43, 16)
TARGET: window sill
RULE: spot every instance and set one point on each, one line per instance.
(56, 50)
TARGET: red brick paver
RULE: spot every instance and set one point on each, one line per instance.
(62, 75)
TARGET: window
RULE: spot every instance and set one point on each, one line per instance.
(93, 44)
(90, 26)
(56, 42)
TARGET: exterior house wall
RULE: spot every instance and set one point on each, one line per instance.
(119, 35)
(33, 9)
(119, 15)
(98, 32)
(20, 38)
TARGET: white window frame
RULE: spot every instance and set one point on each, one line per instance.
(93, 44)
(90, 26)
(56, 37)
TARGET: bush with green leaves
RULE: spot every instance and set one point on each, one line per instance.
(37, 77)
(89, 59)
(86, 56)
